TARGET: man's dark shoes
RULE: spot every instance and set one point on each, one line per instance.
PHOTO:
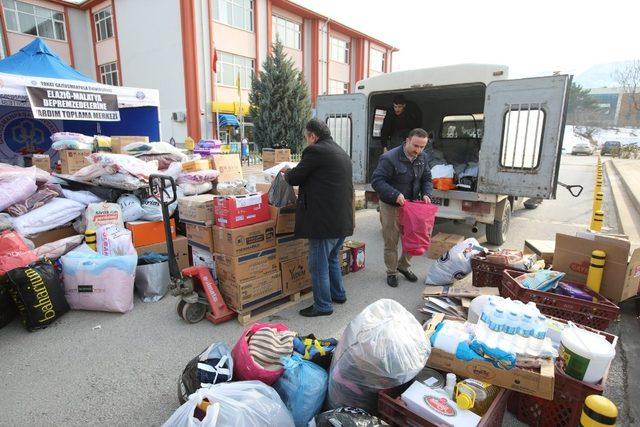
(408, 274)
(339, 301)
(312, 312)
(392, 280)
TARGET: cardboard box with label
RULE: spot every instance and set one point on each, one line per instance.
(247, 267)
(203, 257)
(276, 155)
(246, 295)
(149, 232)
(196, 165)
(228, 165)
(295, 275)
(244, 240)
(41, 161)
(45, 237)
(71, 161)
(621, 275)
(119, 142)
(240, 211)
(289, 247)
(544, 249)
(285, 218)
(180, 248)
(200, 236)
(441, 243)
(196, 209)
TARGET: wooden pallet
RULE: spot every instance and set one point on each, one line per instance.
(272, 307)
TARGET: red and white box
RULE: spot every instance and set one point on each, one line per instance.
(240, 211)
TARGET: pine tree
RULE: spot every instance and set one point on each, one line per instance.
(280, 104)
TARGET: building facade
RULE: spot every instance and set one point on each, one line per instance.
(171, 45)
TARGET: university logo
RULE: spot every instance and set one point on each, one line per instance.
(23, 134)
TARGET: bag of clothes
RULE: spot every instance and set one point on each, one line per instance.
(213, 366)
(416, 222)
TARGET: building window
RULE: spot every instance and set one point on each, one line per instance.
(337, 87)
(109, 74)
(287, 31)
(377, 61)
(229, 66)
(339, 50)
(104, 24)
(237, 13)
(34, 20)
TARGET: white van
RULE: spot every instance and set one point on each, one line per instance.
(512, 129)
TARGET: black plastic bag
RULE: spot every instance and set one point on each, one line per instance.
(38, 293)
(213, 366)
(281, 194)
(348, 417)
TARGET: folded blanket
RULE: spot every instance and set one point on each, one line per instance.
(268, 345)
(54, 214)
(40, 198)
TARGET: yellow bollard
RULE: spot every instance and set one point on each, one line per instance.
(597, 220)
(596, 269)
(598, 411)
(597, 201)
(599, 183)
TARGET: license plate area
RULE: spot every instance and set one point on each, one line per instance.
(440, 201)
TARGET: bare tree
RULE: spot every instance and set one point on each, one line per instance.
(628, 77)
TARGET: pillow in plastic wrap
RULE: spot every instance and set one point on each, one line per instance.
(153, 210)
(54, 214)
(131, 207)
(16, 189)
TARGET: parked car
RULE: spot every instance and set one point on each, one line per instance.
(582, 148)
(611, 148)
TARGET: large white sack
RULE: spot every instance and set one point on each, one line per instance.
(454, 264)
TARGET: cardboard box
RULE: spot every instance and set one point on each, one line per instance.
(200, 236)
(242, 296)
(203, 257)
(543, 248)
(345, 260)
(244, 240)
(295, 275)
(228, 165)
(263, 187)
(240, 211)
(621, 277)
(267, 165)
(441, 243)
(71, 161)
(276, 155)
(41, 161)
(52, 235)
(196, 165)
(197, 209)
(149, 232)
(289, 247)
(119, 142)
(285, 218)
(180, 248)
(247, 267)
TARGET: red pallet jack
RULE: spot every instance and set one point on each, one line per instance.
(198, 291)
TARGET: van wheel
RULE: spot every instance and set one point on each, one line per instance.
(497, 232)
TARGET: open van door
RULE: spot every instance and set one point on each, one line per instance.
(347, 120)
(523, 129)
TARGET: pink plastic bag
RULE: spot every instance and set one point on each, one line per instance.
(416, 224)
(244, 367)
(14, 252)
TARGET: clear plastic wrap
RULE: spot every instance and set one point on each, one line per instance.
(454, 264)
(382, 347)
(131, 207)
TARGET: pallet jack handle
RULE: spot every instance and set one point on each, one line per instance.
(158, 184)
(575, 190)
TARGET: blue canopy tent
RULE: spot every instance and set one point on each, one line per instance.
(35, 65)
(228, 120)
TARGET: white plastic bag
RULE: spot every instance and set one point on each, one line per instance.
(152, 208)
(112, 240)
(382, 347)
(454, 264)
(98, 214)
(442, 171)
(194, 189)
(242, 403)
(271, 173)
(131, 207)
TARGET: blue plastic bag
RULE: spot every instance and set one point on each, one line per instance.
(302, 387)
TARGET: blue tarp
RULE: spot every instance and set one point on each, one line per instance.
(228, 120)
(36, 59)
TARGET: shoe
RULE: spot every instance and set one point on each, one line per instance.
(408, 274)
(312, 312)
(392, 280)
(339, 301)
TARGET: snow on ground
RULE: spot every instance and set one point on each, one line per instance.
(624, 135)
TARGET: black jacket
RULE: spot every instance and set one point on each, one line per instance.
(395, 129)
(396, 174)
(325, 199)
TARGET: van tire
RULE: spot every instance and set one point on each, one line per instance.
(497, 232)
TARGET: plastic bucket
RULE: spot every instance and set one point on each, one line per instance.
(586, 355)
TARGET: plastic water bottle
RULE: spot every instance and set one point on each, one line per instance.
(508, 337)
(482, 327)
(525, 331)
(496, 326)
(539, 333)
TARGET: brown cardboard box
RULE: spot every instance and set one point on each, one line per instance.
(145, 233)
(441, 243)
(295, 275)
(71, 161)
(196, 165)
(196, 209)
(289, 247)
(248, 294)
(244, 240)
(262, 187)
(119, 142)
(285, 219)
(543, 248)
(200, 236)
(267, 165)
(277, 155)
(179, 247)
(52, 235)
(620, 278)
(41, 161)
(228, 165)
(247, 267)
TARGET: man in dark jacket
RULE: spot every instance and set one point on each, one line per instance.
(402, 174)
(398, 122)
(324, 214)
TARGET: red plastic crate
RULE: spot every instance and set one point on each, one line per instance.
(568, 399)
(486, 273)
(394, 411)
(596, 315)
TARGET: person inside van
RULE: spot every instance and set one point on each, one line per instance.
(398, 122)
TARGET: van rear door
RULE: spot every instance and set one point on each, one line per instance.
(523, 129)
(346, 117)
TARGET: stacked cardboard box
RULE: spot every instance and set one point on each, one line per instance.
(293, 257)
(119, 142)
(271, 157)
(71, 161)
